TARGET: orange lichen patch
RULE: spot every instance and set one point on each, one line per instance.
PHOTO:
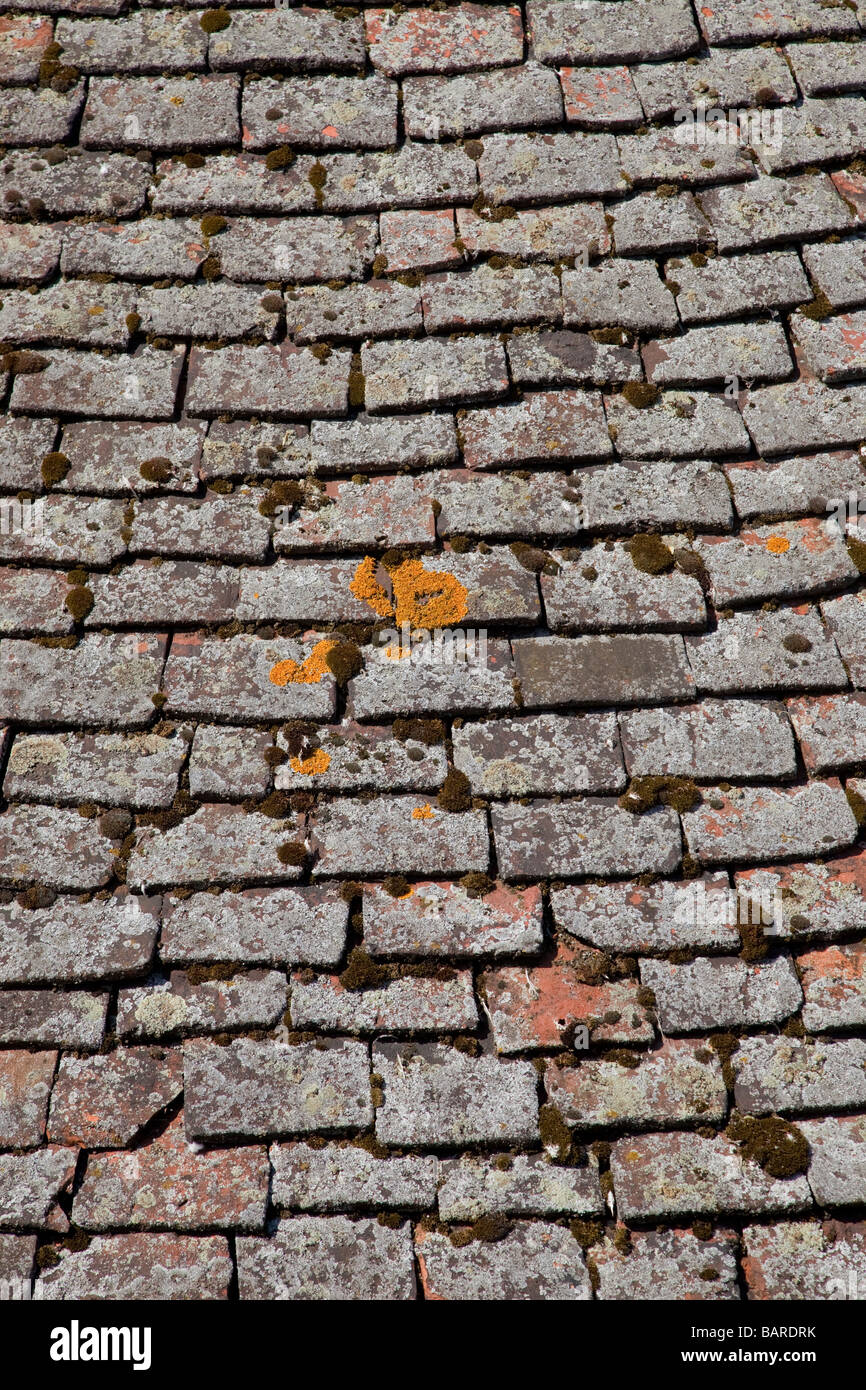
(425, 812)
(308, 672)
(425, 598)
(312, 766)
(777, 545)
(398, 653)
(422, 598)
(366, 587)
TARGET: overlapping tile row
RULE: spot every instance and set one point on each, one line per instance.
(433, 650)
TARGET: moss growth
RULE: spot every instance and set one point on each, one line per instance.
(213, 223)
(211, 268)
(817, 308)
(279, 495)
(321, 351)
(796, 642)
(55, 467)
(477, 885)
(533, 559)
(698, 259)
(202, 974)
(613, 337)
(702, 1230)
(428, 731)
(753, 941)
(362, 972)
(156, 470)
(623, 1058)
(357, 383)
(776, 1145)
(292, 852)
(460, 544)
(60, 77)
(491, 1227)
(640, 394)
(586, 1233)
(115, 824)
(275, 757)
(680, 793)
(23, 362)
(396, 886)
(455, 794)
(277, 806)
(857, 804)
(555, 1134)
(857, 551)
(272, 304)
(37, 896)
(79, 602)
(212, 21)
(318, 177)
(283, 157)
(344, 661)
(650, 555)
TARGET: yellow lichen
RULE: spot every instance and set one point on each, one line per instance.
(425, 812)
(422, 598)
(316, 763)
(366, 587)
(308, 672)
(777, 545)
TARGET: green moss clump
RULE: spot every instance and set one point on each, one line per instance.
(429, 731)
(477, 885)
(817, 308)
(680, 793)
(279, 495)
(292, 853)
(79, 602)
(213, 223)
(344, 661)
(396, 886)
(318, 177)
(357, 383)
(533, 559)
(55, 467)
(857, 551)
(275, 757)
(491, 1227)
(623, 1058)
(37, 896)
(212, 21)
(23, 362)
(156, 470)
(698, 259)
(796, 642)
(613, 337)
(277, 806)
(857, 804)
(586, 1233)
(115, 824)
(362, 972)
(555, 1134)
(455, 793)
(776, 1145)
(649, 554)
(211, 268)
(202, 974)
(283, 157)
(640, 394)
(133, 322)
